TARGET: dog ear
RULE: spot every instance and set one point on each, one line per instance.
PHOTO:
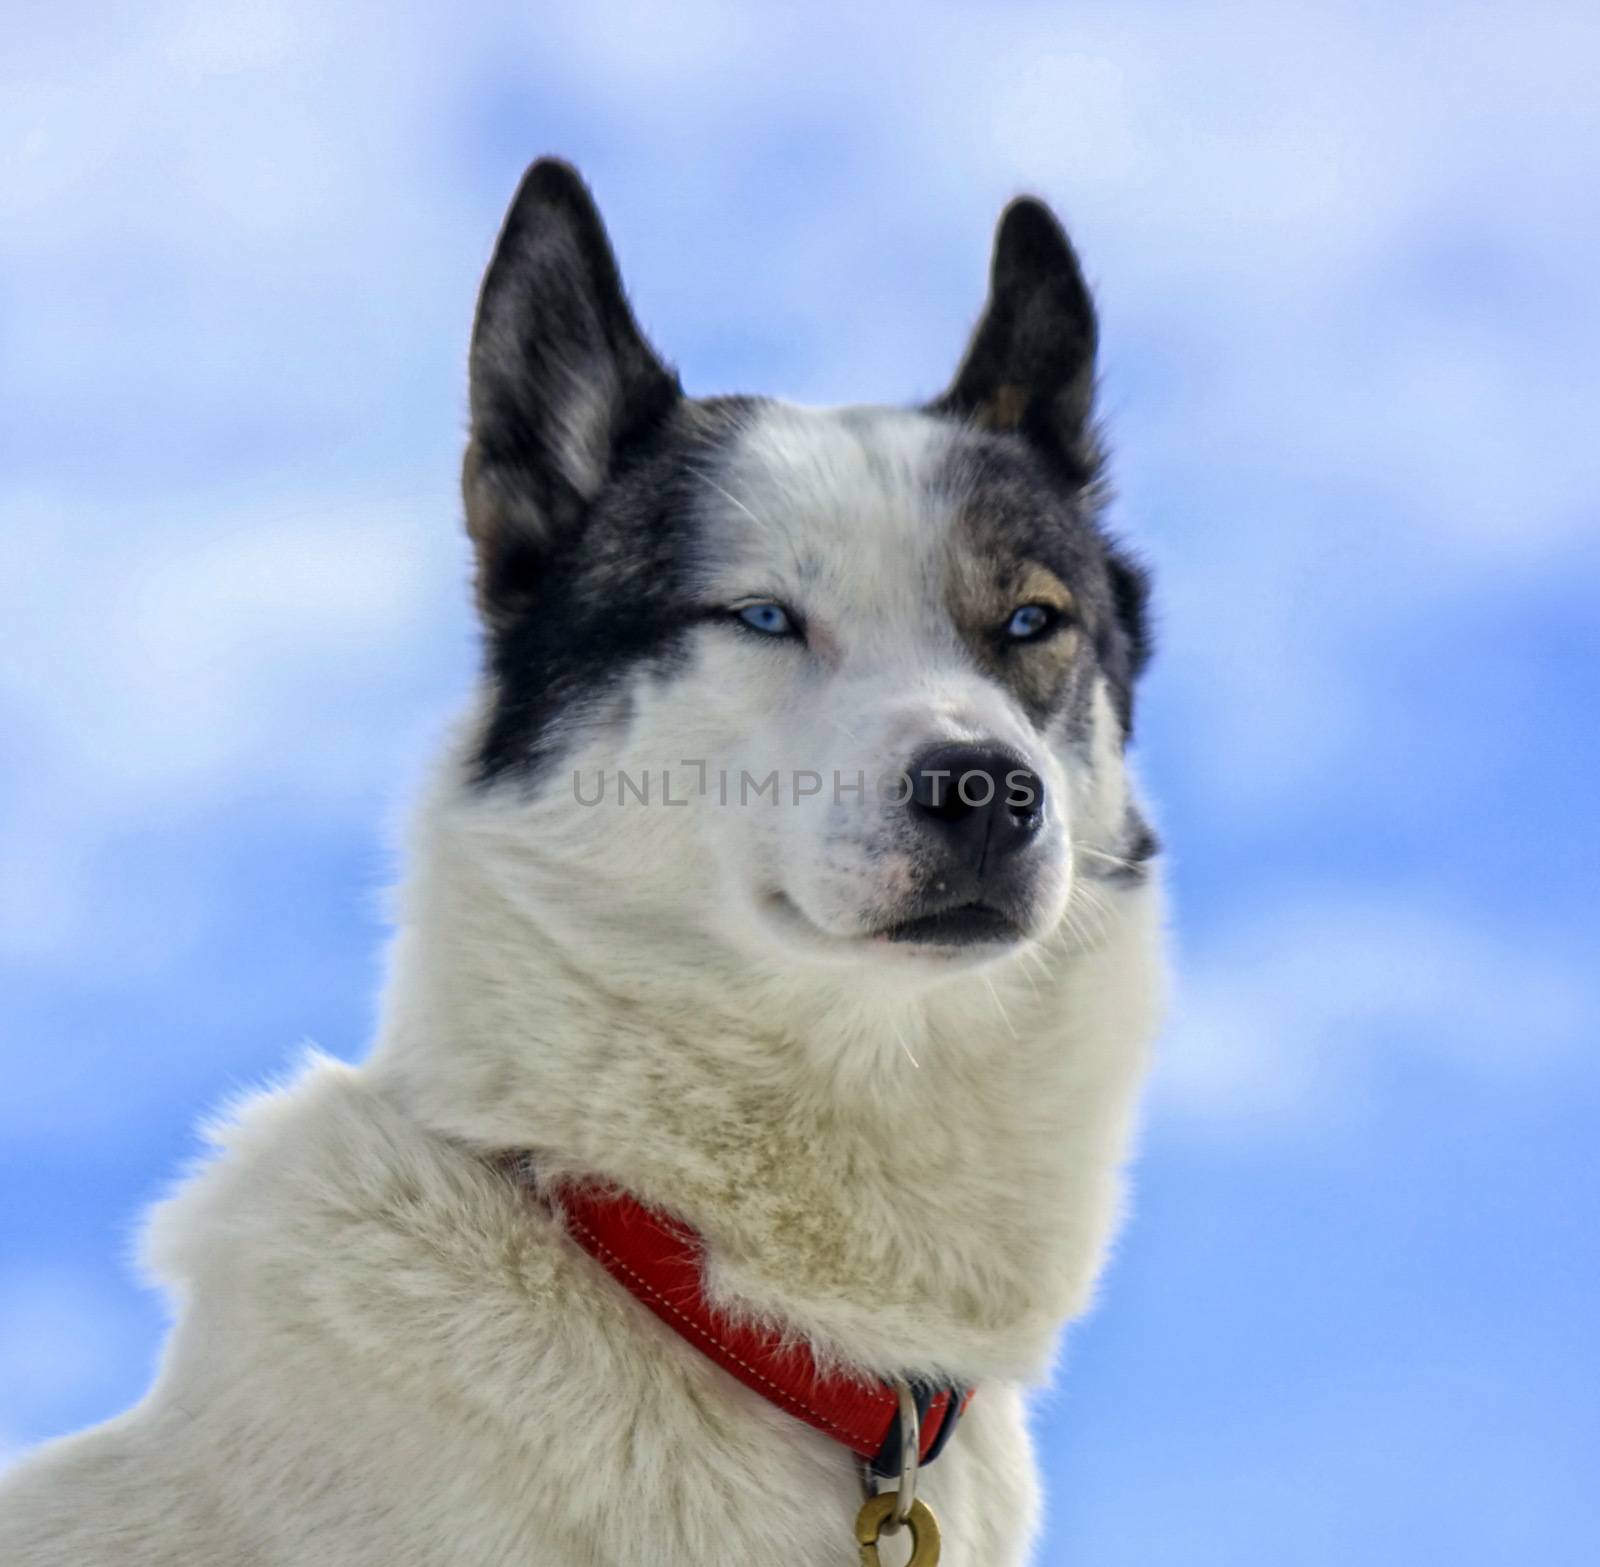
(1029, 368)
(562, 381)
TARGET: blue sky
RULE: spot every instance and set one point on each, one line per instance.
(1345, 255)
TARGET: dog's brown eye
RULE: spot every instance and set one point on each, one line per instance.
(1031, 622)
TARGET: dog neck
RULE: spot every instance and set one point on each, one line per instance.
(914, 1179)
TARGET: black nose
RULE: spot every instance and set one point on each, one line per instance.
(982, 800)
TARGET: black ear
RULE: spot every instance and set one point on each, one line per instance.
(562, 380)
(1030, 365)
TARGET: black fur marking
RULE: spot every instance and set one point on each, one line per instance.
(1126, 657)
(1018, 506)
(1139, 846)
(577, 485)
(1143, 844)
(607, 599)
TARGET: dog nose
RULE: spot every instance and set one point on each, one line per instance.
(978, 798)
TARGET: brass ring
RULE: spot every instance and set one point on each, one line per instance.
(877, 1518)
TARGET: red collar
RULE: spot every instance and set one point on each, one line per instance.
(659, 1262)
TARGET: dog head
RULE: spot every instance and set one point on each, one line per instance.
(849, 686)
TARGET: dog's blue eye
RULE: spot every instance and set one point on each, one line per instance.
(1030, 621)
(770, 620)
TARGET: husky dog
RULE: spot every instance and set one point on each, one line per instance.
(689, 913)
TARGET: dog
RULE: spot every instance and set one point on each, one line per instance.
(787, 891)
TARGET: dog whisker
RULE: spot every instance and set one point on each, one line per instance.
(1000, 1007)
(900, 1039)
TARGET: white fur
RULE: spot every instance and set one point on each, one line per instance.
(384, 1353)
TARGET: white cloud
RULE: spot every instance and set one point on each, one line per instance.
(238, 639)
(245, 659)
(1284, 1019)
